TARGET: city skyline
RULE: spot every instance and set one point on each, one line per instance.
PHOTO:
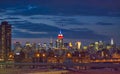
(37, 20)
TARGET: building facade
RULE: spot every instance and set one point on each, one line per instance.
(5, 40)
(59, 41)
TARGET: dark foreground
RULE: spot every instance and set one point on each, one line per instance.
(54, 71)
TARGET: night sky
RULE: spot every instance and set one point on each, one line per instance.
(87, 20)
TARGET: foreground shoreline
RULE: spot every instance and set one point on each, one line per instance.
(54, 71)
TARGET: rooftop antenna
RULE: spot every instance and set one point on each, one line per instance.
(61, 28)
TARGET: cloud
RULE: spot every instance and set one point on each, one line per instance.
(86, 19)
(33, 30)
(103, 23)
(87, 27)
(80, 29)
(27, 31)
(69, 7)
(68, 21)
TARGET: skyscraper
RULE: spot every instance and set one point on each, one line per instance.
(5, 40)
(112, 41)
(78, 45)
(59, 42)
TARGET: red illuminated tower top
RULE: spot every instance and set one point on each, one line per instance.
(60, 35)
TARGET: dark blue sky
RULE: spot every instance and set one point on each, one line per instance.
(78, 19)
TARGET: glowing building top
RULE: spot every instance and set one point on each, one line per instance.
(60, 35)
(112, 41)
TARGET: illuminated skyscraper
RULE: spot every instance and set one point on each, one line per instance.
(96, 46)
(70, 44)
(5, 40)
(59, 42)
(78, 45)
(112, 42)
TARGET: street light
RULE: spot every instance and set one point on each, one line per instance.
(37, 55)
(43, 55)
(69, 55)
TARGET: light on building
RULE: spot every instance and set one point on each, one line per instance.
(43, 55)
(112, 41)
(108, 47)
(70, 44)
(11, 56)
(78, 45)
(28, 44)
(85, 47)
(91, 45)
(17, 53)
(60, 35)
(69, 55)
(55, 56)
(37, 55)
(96, 45)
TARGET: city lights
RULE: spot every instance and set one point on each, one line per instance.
(70, 44)
(44, 55)
(37, 55)
(56, 52)
(69, 55)
(43, 51)
(59, 36)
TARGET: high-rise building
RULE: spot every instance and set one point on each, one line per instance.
(5, 40)
(70, 44)
(78, 45)
(112, 41)
(96, 46)
(59, 41)
(51, 43)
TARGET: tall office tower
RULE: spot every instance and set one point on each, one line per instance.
(51, 43)
(70, 44)
(5, 40)
(96, 46)
(59, 42)
(112, 42)
(39, 46)
(78, 45)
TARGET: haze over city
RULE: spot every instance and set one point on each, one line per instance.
(85, 21)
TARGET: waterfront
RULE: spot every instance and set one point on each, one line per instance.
(35, 71)
(45, 68)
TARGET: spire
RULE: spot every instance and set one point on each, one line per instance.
(60, 35)
(61, 28)
(60, 31)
